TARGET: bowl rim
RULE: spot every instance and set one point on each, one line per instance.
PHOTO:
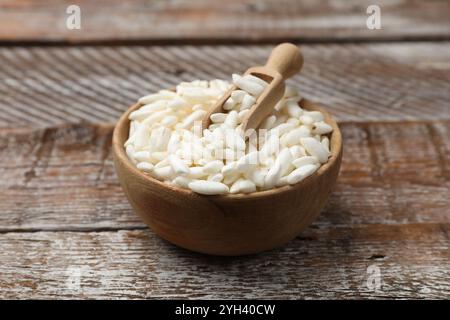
(335, 148)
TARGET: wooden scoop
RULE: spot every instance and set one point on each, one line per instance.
(284, 61)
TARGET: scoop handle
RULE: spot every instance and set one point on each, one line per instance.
(286, 59)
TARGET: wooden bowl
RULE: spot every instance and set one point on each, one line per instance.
(232, 224)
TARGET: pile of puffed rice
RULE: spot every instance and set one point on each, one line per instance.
(166, 140)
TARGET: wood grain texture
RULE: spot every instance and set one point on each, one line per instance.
(323, 263)
(66, 229)
(48, 86)
(63, 178)
(235, 20)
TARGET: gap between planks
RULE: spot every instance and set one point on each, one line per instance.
(230, 41)
(75, 229)
(443, 227)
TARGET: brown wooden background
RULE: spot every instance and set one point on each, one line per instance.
(66, 229)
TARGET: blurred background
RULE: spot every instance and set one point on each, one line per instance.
(125, 49)
(69, 69)
(234, 20)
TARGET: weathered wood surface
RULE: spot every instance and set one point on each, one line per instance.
(66, 229)
(63, 178)
(413, 261)
(238, 20)
(47, 86)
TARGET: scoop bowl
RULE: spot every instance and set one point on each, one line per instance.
(232, 224)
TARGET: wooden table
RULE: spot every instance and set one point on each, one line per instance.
(66, 229)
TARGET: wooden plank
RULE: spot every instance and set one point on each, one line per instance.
(235, 20)
(334, 262)
(63, 178)
(48, 86)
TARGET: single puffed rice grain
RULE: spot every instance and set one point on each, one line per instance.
(145, 166)
(217, 177)
(229, 104)
(247, 102)
(255, 89)
(208, 187)
(255, 79)
(162, 95)
(301, 173)
(178, 166)
(243, 186)
(321, 128)
(316, 149)
(218, 117)
(213, 167)
(299, 162)
(272, 176)
(238, 95)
